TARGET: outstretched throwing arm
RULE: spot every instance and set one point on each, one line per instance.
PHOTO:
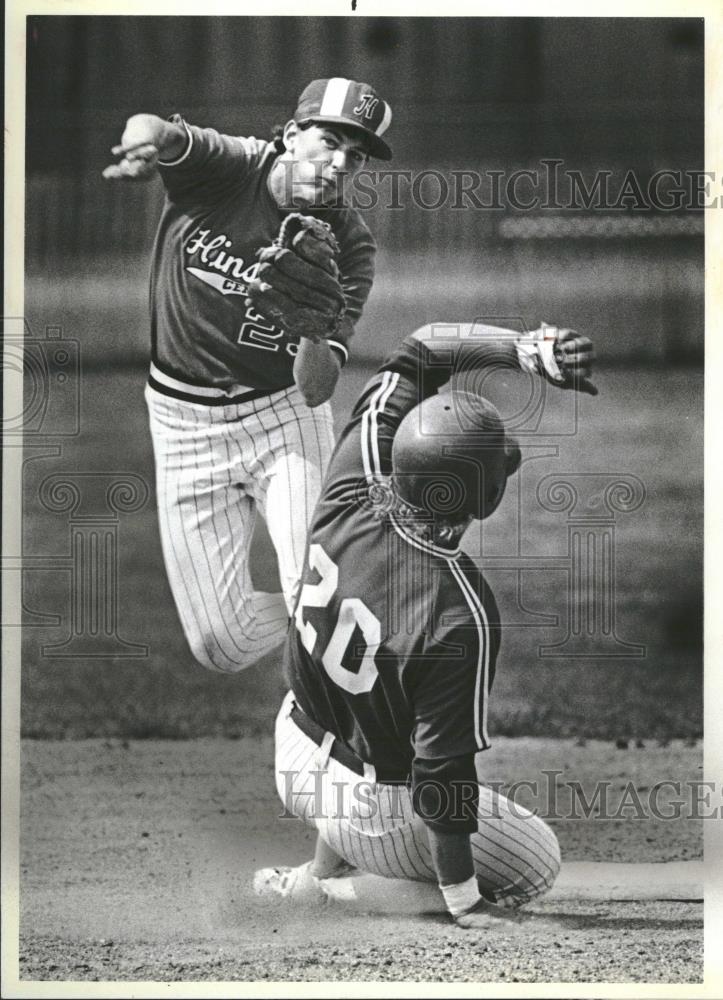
(146, 139)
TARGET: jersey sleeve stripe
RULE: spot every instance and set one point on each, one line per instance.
(340, 348)
(184, 155)
(370, 427)
(383, 402)
(366, 432)
(482, 681)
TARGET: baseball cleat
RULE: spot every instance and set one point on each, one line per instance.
(289, 883)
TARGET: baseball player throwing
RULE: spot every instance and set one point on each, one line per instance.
(396, 634)
(239, 386)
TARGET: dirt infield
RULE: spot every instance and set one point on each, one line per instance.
(137, 858)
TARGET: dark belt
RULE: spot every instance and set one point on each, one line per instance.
(191, 397)
(340, 751)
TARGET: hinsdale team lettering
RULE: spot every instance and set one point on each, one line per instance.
(212, 252)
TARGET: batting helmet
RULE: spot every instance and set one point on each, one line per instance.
(452, 457)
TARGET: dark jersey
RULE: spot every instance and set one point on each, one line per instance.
(395, 639)
(218, 212)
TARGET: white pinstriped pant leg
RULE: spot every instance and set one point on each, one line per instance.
(299, 448)
(516, 855)
(206, 521)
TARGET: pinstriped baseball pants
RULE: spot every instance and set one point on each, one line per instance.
(216, 466)
(516, 855)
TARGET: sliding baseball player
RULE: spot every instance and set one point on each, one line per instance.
(392, 655)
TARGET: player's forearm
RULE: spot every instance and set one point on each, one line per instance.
(169, 139)
(452, 856)
(316, 371)
(430, 356)
(461, 346)
(559, 355)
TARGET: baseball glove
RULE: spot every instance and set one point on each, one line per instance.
(297, 284)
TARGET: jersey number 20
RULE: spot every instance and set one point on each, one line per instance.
(353, 613)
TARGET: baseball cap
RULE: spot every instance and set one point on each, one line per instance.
(346, 102)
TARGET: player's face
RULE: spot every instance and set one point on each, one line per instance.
(322, 159)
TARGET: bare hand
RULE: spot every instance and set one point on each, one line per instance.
(574, 355)
(138, 162)
(486, 915)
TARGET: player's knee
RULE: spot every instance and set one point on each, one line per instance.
(208, 652)
(207, 655)
(547, 865)
(554, 859)
(540, 870)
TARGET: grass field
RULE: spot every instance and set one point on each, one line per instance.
(646, 423)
